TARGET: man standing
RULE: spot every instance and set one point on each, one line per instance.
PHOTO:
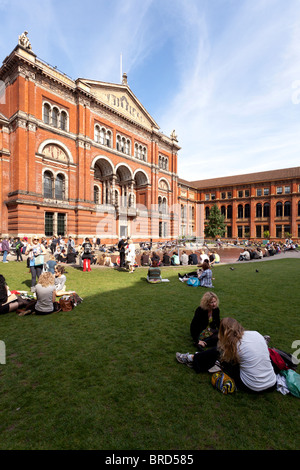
(121, 248)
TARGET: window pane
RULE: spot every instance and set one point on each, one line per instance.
(49, 224)
(61, 224)
(59, 187)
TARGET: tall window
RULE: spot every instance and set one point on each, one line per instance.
(59, 187)
(49, 224)
(279, 209)
(266, 209)
(240, 211)
(61, 224)
(258, 210)
(46, 113)
(287, 209)
(48, 186)
(55, 115)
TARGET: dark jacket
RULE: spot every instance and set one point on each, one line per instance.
(200, 322)
(193, 259)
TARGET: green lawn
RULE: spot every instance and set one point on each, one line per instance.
(104, 376)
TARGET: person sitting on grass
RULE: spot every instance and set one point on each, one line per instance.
(45, 297)
(59, 280)
(242, 354)
(204, 275)
(9, 302)
(154, 274)
(206, 321)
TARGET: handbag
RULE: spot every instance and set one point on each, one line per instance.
(66, 304)
(39, 260)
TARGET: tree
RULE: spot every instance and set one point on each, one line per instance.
(215, 226)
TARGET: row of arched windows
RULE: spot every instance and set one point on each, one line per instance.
(56, 117)
(163, 162)
(261, 210)
(103, 136)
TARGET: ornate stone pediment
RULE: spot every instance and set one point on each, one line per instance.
(121, 98)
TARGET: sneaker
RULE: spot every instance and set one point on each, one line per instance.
(184, 359)
(267, 338)
(216, 368)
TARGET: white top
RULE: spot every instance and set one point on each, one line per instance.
(256, 370)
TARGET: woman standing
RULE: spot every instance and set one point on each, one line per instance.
(130, 255)
(36, 252)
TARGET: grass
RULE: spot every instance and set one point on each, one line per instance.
(104, 376)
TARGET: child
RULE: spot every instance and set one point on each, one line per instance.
(60, 280)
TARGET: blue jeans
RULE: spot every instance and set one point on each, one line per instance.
(5, 253)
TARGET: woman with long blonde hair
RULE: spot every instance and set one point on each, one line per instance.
(206, 321)
(246, 357)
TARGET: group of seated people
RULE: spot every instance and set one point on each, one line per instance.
(226, 346)
(49, 286)
(176, 259)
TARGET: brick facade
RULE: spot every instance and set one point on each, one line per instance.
(85, 158)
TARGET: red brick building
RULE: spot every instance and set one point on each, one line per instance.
(81, 157)
(84, 157)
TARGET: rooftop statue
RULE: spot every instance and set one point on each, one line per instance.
(24, 41)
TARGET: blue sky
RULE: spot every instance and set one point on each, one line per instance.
(225, 74)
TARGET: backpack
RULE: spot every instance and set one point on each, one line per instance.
(87, 249)
(193, 281)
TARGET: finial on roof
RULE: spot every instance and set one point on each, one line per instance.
(24, 41)
(124, 79)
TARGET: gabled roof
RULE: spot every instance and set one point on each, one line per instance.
(261, 176)
(122, 99)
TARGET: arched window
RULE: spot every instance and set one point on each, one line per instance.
(96, 195)
(279, 209)
(108, 139)
(266, 209)
(207, 212)
(240, 211)
(298, 208)
(229, 212)
(223, 211)
(48, 184)
(101, 136)
(55, 116)
(247, 210)
(46, 113)
(118, 143)
(63, 121)
(164, 205)
(258, 210)
(97, 134)
(160, 205)
(287, 209)
(59, 187)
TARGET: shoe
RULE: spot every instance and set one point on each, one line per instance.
(24, 312)
(179, 275)
(183, 359)
(214, 369)
(267, 338)
(5, 261)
